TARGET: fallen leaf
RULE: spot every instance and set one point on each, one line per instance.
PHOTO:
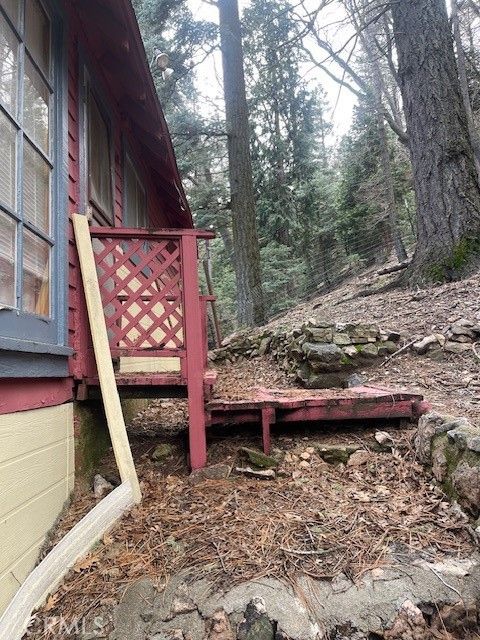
(85, 563)
(52, 601)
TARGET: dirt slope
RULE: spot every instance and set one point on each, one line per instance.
(452, 385)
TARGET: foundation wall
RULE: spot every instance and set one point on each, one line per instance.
(36, 480)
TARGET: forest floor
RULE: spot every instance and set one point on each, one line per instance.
(451, 384)
(363, 516)
(328, 522)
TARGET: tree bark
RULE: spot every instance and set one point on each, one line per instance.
(221, 221)
(250, 307)
(463, 77)
(398, 245)
(367, 38)
(444, 173)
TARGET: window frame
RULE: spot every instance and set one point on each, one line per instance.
(90, 86)
(19, 330)
(129, 157)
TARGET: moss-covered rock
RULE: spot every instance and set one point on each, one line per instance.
(466, 482)
(387, 347)
(162, 452)
(260, 459)
(370, 350)
(449, 446)
(336, 454)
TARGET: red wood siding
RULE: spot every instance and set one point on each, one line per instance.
(19, 395)
(81, 364)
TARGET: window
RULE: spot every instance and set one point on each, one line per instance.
(99, 159)
(135, 199)
(26, 157)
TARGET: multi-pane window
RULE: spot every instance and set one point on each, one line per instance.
(99, 160)
(135, 199)
(26, 157)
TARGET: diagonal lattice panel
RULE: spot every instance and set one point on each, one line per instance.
(141, 287)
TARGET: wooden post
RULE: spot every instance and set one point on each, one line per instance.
(268, 416)
(207, 266)
(103, 358)
(194, 339)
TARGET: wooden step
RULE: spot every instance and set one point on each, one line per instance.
(147, 385)
(274, 406)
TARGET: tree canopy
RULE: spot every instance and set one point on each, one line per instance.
(325, 206)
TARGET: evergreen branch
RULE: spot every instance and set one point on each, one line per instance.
(193, 133)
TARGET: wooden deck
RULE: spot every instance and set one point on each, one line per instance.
(275, 406)
(154, 310)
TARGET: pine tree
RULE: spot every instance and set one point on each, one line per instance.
(250, 305)
(445, 178)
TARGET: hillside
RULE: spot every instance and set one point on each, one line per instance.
(451, 382)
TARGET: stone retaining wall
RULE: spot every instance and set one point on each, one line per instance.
(451, 447)
(318, 354)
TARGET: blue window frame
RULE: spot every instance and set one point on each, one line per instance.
(33, 178)
(97, 149)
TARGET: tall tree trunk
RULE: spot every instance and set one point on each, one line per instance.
(444, 173)
(386, 164)
(250, 306)
(221, 222)
(398, 245)
(463, 77)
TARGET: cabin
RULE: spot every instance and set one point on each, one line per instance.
(82, 131)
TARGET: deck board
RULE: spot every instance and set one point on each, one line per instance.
(302, 405)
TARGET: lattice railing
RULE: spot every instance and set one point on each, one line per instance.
(142, 287)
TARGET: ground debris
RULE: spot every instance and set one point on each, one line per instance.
(262, 474)
(101, 486)
(450, 379)
(318, 521)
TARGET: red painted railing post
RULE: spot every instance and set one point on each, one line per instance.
(203, 303)
(194, 343)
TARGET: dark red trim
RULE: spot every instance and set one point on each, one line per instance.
(23, 394)
(120, 232)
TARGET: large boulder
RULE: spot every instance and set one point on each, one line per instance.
(325, 357)
(466, 482)
(451, 446)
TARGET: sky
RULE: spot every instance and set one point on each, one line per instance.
(341, 103)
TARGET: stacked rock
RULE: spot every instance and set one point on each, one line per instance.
(319, 354)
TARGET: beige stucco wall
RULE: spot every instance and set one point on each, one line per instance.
(36, 479)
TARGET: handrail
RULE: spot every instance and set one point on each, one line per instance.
(122, 232)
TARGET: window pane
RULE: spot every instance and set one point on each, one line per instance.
(37, 34)
(142, 206)
(8, 66)
(12, 7)
(7, 161)
(100, 176)
(7, 260)
(36, 274)
(135, 202)
(36, 189)
(36, 106)
(130, 213)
